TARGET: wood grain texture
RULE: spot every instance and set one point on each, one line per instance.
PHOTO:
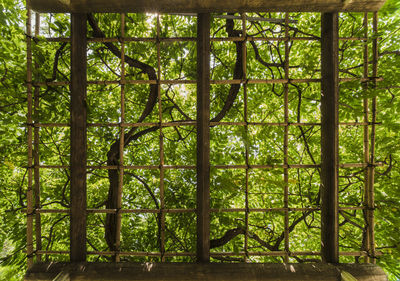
(203, 138)
(204, 6)
(78, 138)
(329, 137)
(204, 272)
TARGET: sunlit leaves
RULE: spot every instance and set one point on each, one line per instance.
(264, 144)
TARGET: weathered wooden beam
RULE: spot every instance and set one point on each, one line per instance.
(204, 6)
(329, 137)
(203, 138)
(205, 272)
(78, 138)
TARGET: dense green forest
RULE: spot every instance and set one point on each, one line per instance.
(231, 144)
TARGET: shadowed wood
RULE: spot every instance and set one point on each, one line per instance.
(78, 138)
(329, 138)
(204, 272)
(204, 6)
(203, 138)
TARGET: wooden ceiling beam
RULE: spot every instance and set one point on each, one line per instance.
(204, 6)
(204, 271)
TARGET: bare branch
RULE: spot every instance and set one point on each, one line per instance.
(237, 72)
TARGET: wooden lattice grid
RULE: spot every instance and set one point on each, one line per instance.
(34, 85)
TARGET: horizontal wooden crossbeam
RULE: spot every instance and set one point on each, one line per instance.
(210, 272)
(203, 6)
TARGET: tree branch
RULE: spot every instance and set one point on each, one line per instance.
(237, 72)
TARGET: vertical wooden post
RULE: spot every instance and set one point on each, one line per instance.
(246, 129)
(29, 191)
(371, 168)
(203, 137)
(329, 138)
(78, 138)
(366, 133)
(36, 140)
(162, 161)
(286, 142)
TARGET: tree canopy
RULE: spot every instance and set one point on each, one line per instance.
(231, 144)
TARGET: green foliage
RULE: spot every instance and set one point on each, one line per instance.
(229, 143)
(12, 139)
